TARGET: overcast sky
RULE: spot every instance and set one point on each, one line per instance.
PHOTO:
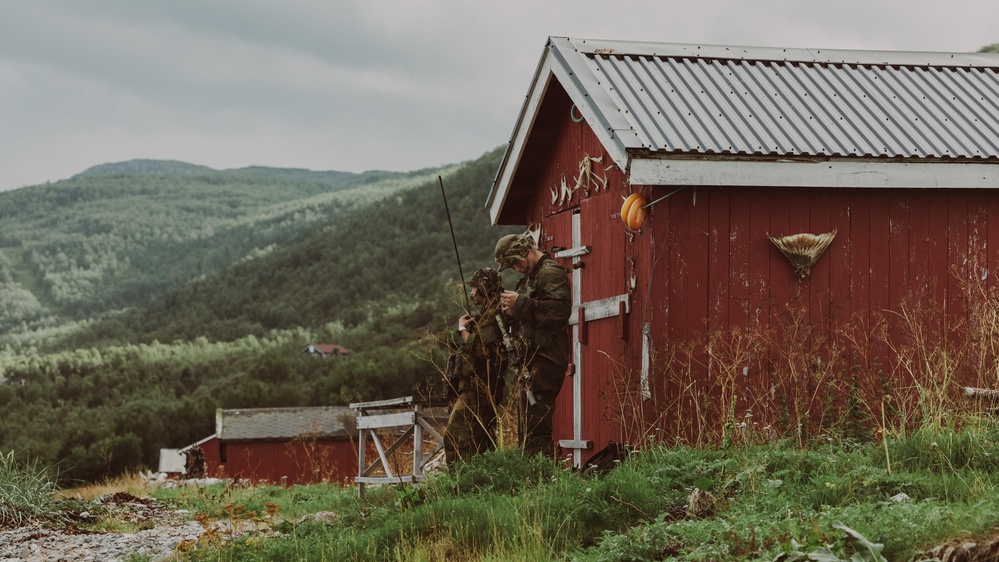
(358, 85)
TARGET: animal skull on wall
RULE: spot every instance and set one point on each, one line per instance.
(803, 249)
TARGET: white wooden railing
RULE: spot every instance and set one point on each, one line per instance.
(422, 428)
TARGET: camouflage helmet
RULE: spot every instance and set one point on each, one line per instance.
(488, 281)
(512, 248)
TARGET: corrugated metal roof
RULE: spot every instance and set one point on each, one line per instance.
(679, 114)
(282, 423)
(667, 98)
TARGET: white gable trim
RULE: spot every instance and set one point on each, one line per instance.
(614, 132)
(611, 128)
(515, 150)
(799, 173)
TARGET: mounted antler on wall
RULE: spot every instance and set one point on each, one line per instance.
(803, 249)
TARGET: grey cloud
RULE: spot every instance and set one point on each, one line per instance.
(352, 84)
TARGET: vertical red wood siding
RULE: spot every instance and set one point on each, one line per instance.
(211, 450)
(892, 245)
(703, 264)
(283, 462)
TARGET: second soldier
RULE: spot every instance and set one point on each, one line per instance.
(477, 370)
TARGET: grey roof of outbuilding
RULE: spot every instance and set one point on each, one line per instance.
(697, 99)
(282, 423)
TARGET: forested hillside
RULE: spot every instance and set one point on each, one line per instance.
(390, 258)
(377, 278)
(118, 234)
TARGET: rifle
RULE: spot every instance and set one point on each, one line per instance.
(468, 305)
(514, 357)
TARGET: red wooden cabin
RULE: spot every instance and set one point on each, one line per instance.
(282, 445)
(694, 324)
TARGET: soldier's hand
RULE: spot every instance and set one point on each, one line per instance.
(508, 299)
(465, 321)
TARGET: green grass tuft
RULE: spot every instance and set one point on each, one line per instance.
(27, 491)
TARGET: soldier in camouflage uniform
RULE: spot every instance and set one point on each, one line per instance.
(477, 370)
(539, 310)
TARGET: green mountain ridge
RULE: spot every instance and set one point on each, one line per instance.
(97, 243)
(140, 167)
(145, 166)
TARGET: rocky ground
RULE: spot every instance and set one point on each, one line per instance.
(37, 544)
(159, 532)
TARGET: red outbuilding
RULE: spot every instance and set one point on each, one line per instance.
(278, 445)
(816, 233)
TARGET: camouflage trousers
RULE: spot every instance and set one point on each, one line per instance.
(535, 420)
(471, 423)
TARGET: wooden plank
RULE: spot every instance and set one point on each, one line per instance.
(760, 253)
(740, 242)
(697, 256)
(573, 252)
(780, 275)
(386, 420)
(622, 313)
(818, 278)
(844, 173)
(860, 253)
(679, 330)
(382, 458)
(957, 252)
(677, 241)
(603, 308)
(362, 447)
(936, 246)
(652, 276)
(992, 243)
(839, 259)
(898, 255)
(382, 403)
(400, 479)
(575, 444)
(718, 270)
(646, 388)
(430, 427)
(878, 257)
(978, 226)
(919, 234)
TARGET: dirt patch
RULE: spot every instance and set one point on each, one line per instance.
(965, 551)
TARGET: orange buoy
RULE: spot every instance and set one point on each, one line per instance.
(637, 214)
(626, 206)
(633, 211)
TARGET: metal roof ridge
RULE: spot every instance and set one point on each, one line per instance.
(810, 55)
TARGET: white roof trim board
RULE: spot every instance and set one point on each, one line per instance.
(657, 103)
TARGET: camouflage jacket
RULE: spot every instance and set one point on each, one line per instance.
(482, 356)
(541, 315)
